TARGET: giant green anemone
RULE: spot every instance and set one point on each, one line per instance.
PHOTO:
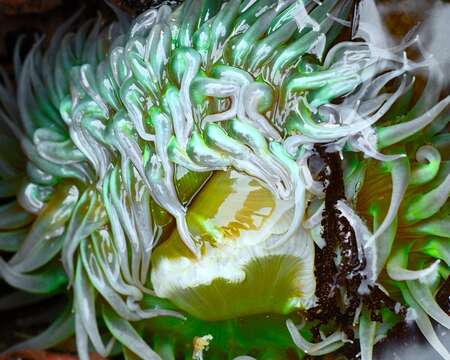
(226, 180)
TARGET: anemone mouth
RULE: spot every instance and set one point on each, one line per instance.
(240, 272)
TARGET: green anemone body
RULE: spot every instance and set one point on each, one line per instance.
(162, 173)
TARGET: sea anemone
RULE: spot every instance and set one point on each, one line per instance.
(226, 177)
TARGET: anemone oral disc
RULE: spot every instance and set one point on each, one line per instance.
(239, 273)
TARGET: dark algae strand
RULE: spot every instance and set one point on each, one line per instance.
(339, 269)
(338, 266)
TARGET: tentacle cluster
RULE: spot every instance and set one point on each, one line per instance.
(111, 119)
